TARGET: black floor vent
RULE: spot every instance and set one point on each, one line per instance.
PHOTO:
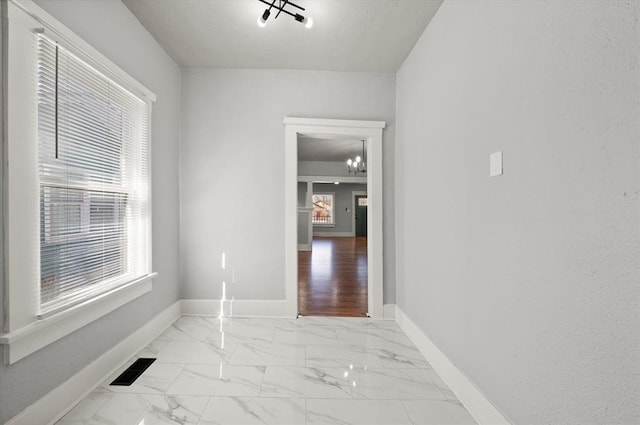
(133, 372)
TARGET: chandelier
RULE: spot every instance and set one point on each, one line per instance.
(280, 7)
(357, 165)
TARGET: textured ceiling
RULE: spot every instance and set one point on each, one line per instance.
(347, 35)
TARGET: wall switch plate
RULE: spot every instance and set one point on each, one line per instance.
(495, 164)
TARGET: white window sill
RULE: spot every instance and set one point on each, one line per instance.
(324, 225)
(31, 338)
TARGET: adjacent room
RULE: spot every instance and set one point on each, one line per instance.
(392, 212)
(332, 227)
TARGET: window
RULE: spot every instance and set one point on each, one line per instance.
(323, 209)
(92, 158)
(77, 188)
(362, 202)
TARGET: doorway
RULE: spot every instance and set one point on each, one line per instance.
(360, 215)
(371, 132)
(333, 269)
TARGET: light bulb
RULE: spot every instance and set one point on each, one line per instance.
(262, 21)
(308, 22)
(349, 162)
(336, 182)
(358, 159)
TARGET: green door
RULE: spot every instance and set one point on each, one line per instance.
(361, 215)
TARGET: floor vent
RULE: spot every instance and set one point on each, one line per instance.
(133, 372)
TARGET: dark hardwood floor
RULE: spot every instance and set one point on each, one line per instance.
(332, 278)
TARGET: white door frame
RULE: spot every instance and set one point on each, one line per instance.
(371, 132)
(355, 193)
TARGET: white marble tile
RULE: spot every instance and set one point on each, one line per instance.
(249, 411)
(438, 412)
(394, 384)
(305, 382)
(225, 323)
(152, 349)
(136, 409)
(187, 328)
(335, 322)
(88, 407)
(370, 337)
(130, 409)
(268, 354)
(195, 352)
(356, 412)
(277, 322)
(313, 370)
(341, 356)
(244, 330)
(218, 380)
(444, 388)
(308, 335)
(155, 380)
(397, 356)
(350, 323)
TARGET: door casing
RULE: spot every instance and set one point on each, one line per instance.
(371, 132)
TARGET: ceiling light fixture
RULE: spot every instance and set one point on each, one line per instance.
(262, 21)
(358, 165)
(280, 7)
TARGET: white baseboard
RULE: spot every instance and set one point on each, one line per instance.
(238, 308)
(475, 402)
(334, 234)
(389, 311)
(50, 408)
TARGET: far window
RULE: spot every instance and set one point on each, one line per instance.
(94, 180)
(323, 208)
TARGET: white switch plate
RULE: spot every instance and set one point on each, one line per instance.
(495, 164)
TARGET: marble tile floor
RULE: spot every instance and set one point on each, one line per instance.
(311, 370)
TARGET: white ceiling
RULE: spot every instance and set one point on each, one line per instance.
(334, 149)
(347, 35)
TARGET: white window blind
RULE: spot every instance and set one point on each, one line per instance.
(94, 183)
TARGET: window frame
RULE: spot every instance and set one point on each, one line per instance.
(333, 210)
(24, 330)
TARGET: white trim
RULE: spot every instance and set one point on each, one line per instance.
(236, 308)
(332, 179)
(319, 122)
(333, 234)
(371, 131)
(389, 311)
(63, 398)
(475, 402)
(309, 228)
(355, 193)
(24, 341)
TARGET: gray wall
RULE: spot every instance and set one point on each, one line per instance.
(115, 32)
(323, 168)
(528, 282)
(232, 169)
(343, 199)
(302, 194)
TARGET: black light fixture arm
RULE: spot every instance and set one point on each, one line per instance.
(281, 8)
